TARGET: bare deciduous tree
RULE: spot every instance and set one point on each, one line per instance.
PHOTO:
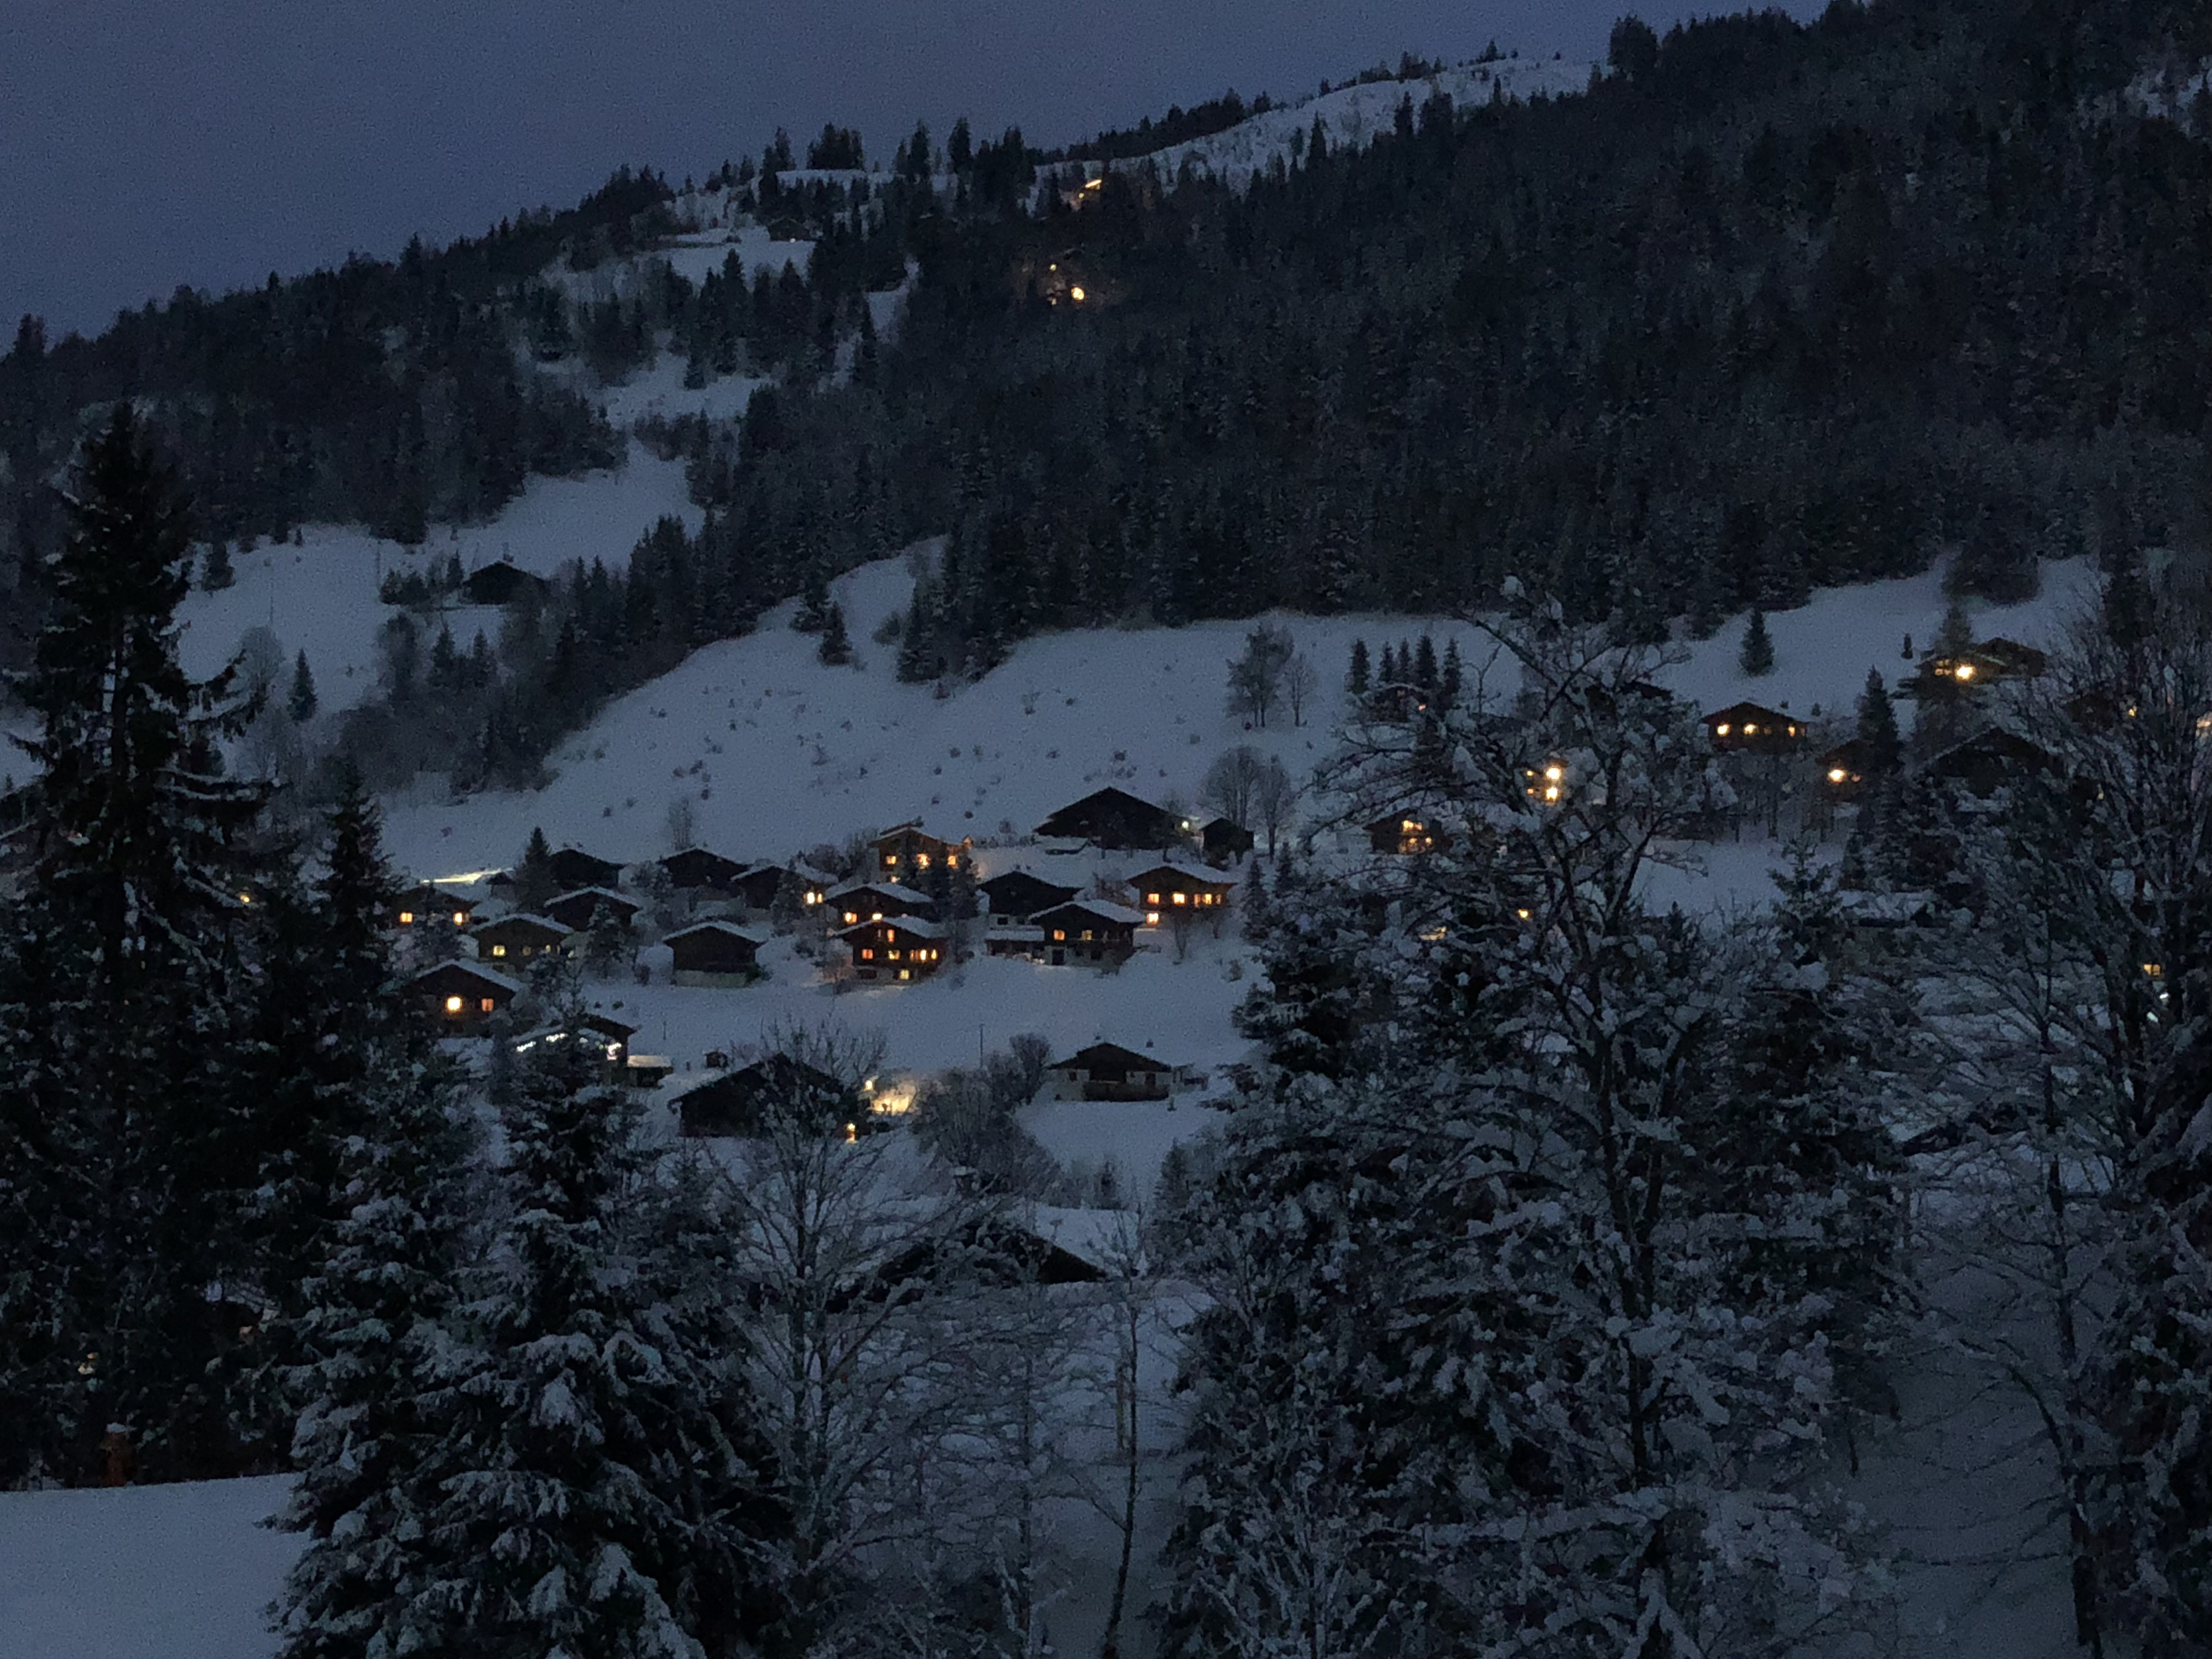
(1229, 782)
(1275, 793)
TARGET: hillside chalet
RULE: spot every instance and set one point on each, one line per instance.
(696, 870)
(573, 869)
(1013, 898)
(1402, 834)
(502, 583)
(1085, 932)
(425, 905)
(588, 907)
(1844, 770)
(1115, 821)
(1990, 662)
(462, 997)
(519, 938)
(908, 853)
(1167, 891)
(717, 953)
(610, 1034)
(729, 1103)
(1224, 841)
(869, 901)
(1749, 728)
(895, 949)
(1989, 760)
(1105, 1070)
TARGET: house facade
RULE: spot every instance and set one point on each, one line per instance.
(1013, 898)
(588, 907)
(1224, 841)
(513, 941)
(894, 949)
(501, 583)
(1168, 891)
(1749, 728)
(908, 853)
(1402, 834)
(425, 906)
(715, 953)
(723, 1101)
(696, 870)
(461, 997)
(871, 901)
(1086, 933)
(574, 868)
(1106, 1071)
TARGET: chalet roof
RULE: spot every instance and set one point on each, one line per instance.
(1852, 752)
(914, 924)
(916, 827)
(426, 890)
(706, 853)
(1119, 802)
(905, 897)
(598, 895)
(1111, 1057)
(1022, 935)
(1395, 820)
(474, 970)
(1204, 878)
(603, 1025)
(1029, 877)
(524, 922)
(725, 929)
(1736, 714)
(1101, 908)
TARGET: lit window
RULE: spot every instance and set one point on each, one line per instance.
(1075, 293)
(1152, 898)
(1965, 670)
(1060, 935)
(851, 1133)
(1722, 730)
(1523, 914)
(499, 950)
(1751, 731)
(2154, 970)
(453, 1005)
(867, 956)
(889, 859)
(1086, 936)
(906, 973)
(1553, 774)
(1180, 898)
(406, 918)
(920, 860)
(460, 918)
(1153, 917)
(893, 955)
(1837, 775)
(486, 1005)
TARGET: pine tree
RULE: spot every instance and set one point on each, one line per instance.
(1757, 657)
(835, 649)
(535, 884)
(133, 917)
(1356, 681)
(216, 571)
(1449, 686)
(1877, 728)
(302, 701)
(590, 1476)
(1425, 664)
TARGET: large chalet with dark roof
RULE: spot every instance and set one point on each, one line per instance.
(574, 868)
(515, 939)
(461, 997)
(1114, 821)
(1168, 891)
(590, 907)
(1403, 834)
(502, 583)
(894, 949)
(426, 905)
(1844, 769)
(869, 901)
(696, 870)
(1106, 1071)
(715, 953)
(1084, 932)
(1224, 841)
(1989, 761)
(727, 1102)
(1748, 728)
(1014, 898)
(908, 853)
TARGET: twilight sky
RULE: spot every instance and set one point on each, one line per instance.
(146, 143)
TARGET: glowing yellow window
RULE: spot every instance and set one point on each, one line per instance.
(889, 859)
(1152, 898)
(892, 955)
(1837, 775)
(1180, 898)
(486, 1005)
(1060, 935)
(906, 973)
(499, 950)
(867, 955)
(1086, 936)
(406, 918)
(453, 1005)
(460, 918)
(1722, 730)
(1751, 731)
(920, 860)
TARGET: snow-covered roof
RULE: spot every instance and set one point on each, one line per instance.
(605, 893)
(1101, 908)
(914, 925)
(1188, 873)
(728, 929)
(474, 970)
(529, 918)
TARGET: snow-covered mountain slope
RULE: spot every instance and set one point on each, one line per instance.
(1354, 116)
(321, 597)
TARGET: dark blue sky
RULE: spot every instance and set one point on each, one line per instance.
(144, 143)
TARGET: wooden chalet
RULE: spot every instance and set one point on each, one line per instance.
(715, 953)
(1223, 841)
(1167, 891)
(908, 853)
(519, 938)
(894, 949)
(426, 905)
(1013, 898)
(588, 907)
(502, 583)
(574, 868)
(1114, 821)
(756, 886)
(1987, 662)
(611, 1034)
(1844, 769)
(1989, 760)
(696, 870)
(1085, 932)
(1402, 834)
(461, 997)
(1752, 728)
(869, 901)
(736, 1103)
(1106, 1071)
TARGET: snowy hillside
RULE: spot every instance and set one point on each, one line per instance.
(321, 597)
(1354, 116)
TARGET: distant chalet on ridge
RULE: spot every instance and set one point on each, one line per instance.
(1115, 821)
(1402, 834)
(736, 1102)
(502, 583)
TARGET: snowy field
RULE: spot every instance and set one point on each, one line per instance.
(321, 597)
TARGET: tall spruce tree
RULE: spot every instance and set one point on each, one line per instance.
(132, 916)
(303, 703)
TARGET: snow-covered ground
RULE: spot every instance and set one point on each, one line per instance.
(321, 597)
(1353, 117)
